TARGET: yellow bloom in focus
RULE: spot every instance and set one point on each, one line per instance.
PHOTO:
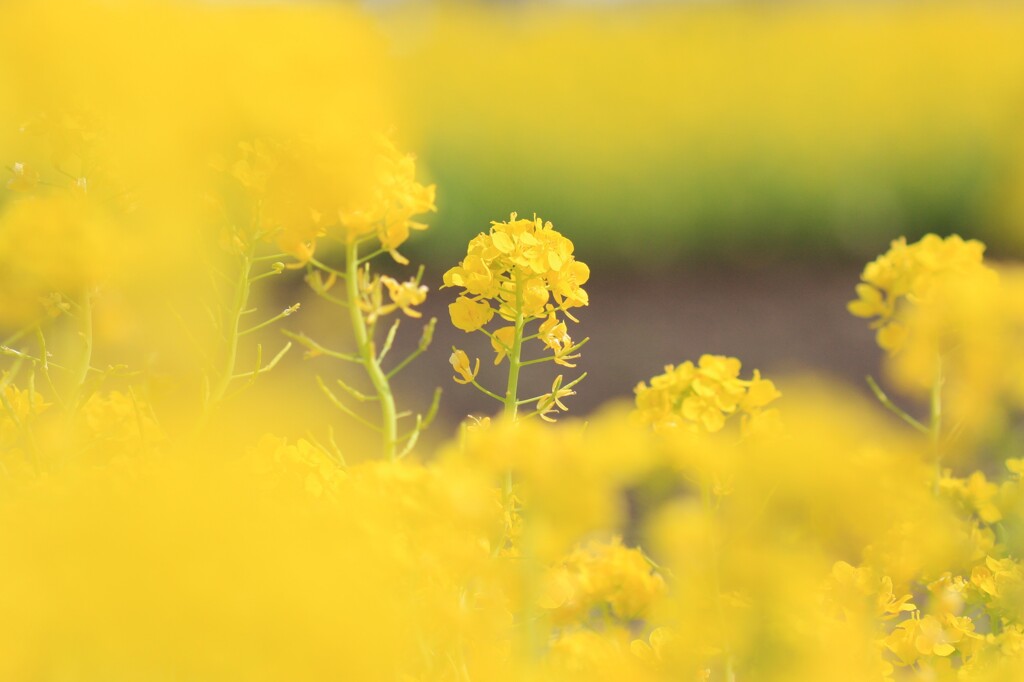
(460, 363)
(910, 274)
(501, 342)
(469, 315)
(527, 259)
(552, 402)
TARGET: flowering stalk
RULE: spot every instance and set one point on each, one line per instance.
(85, 361)
(238, 304)
(384, 217)
(232, 331)
(368, 353)
(515, 355)
(523, 271)
(935, 425)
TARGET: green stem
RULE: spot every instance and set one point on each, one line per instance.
(935, 422)
(894, 408)
(82, 371)
(234, 320)
(514, 364)
(389, 419)
(514, 357)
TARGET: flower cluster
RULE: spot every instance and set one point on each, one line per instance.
(599, 574)
(522, 271)
(396, 198)
(300, 192)
(519, 267)
(702, 397)
(909, 274)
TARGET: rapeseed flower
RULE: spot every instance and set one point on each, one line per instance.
(909, 274)
(701, 397)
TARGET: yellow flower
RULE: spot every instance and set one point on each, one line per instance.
(474, 276)
(702, 397)
(397, 197)
(404, 295)
(460, 363)
(525, 260)
(854, 588)
(551, 402)
(601, 572)
(909, 274)
(469, 315)
(501, 342)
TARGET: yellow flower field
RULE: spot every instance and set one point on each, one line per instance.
(189, 188)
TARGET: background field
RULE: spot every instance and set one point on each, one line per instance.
(729, 131)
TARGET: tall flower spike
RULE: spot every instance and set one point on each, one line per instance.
(522, 271)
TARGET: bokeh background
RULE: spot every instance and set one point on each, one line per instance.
(726, 168)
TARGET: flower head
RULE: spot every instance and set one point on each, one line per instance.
(702, 397)
(909, 273)
(460, 363)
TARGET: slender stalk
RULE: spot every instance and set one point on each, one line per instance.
(514, 365)
(234, 320)
(389, 419)
(85, 362)
(894, 408)
(514, 356)
(935, 422)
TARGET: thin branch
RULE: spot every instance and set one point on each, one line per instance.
(425, 340)
(281, 315)
(388, 340)
(361, 397)
(371, 256)
(328, 268)
(894, 408)
(313, 348)
(486, 392)
(269, 366)
(270, 273)
(341, 406)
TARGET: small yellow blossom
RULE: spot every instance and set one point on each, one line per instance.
(469, 315)
(460, 363)
(552, 402)
(404, 295)
(702, 397)
(501, 342)
(852, 588)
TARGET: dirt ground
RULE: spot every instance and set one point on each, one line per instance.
(781, 320)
